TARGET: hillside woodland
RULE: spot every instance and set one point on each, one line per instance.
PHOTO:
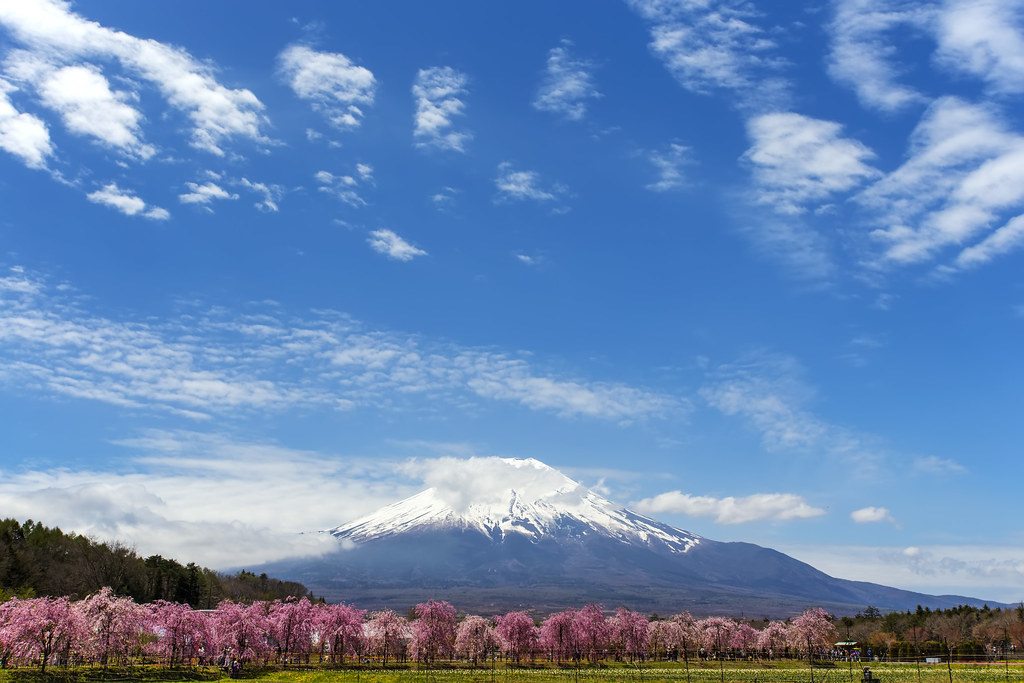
(37, 561)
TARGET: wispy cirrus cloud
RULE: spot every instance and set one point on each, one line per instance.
(718, 45)
(865, 59)
(568, 84)
(1009, 237)
(768, 392)
(438, 93)
(387, 242)
(670, 164)
(963, 180)
(933, 464)
(445, 198)
(983, 38)
(126, 202)
(980, 38)
(330, 81)
(731, 510)
(213, 363)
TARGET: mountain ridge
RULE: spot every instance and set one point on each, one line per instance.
(537, 539)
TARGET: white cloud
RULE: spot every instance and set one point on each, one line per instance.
(19, 283)
(933, 464)
(189, 495)
(1005, 239)
(127, 203)
(386, 242)
(717, 44)
(57, 35)
(219, 363)
(980, 38)
(801, 167)
(347, 187)
(669, 165)
(485, 480)
(983, 38)
(516, 185)
(871, 514)
(271, 194)
(88, 106)
(731, 510)
(863, 54)
(965, 174)
(330, 81)
(799, 162)
(205, 193)
(987, 572)
(567, 85)
(444, 199)
(23, 135)
(438, 92)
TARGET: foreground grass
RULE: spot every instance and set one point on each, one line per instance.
(707, 672)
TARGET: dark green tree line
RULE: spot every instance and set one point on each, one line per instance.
(37, 561)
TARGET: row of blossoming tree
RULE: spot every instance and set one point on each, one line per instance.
(106, 629)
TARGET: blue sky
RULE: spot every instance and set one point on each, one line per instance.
(756, 273)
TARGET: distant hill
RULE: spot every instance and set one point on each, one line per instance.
(36, 560)
(544, 541)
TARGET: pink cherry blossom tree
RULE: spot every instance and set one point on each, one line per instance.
(243, 631)
(716, 634)
(773, 638)
(810, 632)
(689, 634)
(744, 638)
(592, 630)
(386, 635)
(475, 637)
(433, 631)
(42, 628)
(291, 627)
(559, 636)
(8, 633)
(177, 631)
(631, 633)
(341, 629)
(114, 625)
(518, 634)
(666, 638)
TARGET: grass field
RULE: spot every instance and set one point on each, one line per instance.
(709, 672)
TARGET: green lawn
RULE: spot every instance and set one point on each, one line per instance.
(707, 672)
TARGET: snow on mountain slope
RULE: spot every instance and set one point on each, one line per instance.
(527, 498)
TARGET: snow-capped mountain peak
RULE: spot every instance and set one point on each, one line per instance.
(504, 496)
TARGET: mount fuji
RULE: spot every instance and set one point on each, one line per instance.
(542, 541)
